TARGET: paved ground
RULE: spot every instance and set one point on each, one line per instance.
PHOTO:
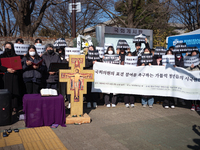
(123, 128)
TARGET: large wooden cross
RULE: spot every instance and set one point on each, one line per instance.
(76, 79)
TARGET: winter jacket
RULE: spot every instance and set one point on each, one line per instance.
(48, 59)
(31, 74)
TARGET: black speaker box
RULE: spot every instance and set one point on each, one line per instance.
(5, 108)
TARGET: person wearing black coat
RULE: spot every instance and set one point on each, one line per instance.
(49, 57)
(157, 61)
(32, 73)
(63, 85)
(11, 76)
(91, 98)
(168, 101)
(179, 62)
(138, 46)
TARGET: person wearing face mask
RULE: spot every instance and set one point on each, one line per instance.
(11, 76)
(168, 101)
(179, 62)
(91, 58)
(147, 51)
(110, 96)
(38, 42)
(195, 103)
(32, 74)
(129, 98)
(62, 85)
(49, 57)
(144, 98)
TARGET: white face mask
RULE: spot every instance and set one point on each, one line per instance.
(146, 53)
(38, 44)
(110, 52)
(32, 53)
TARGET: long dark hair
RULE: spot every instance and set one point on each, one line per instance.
(169, 50)
(111, 49)
(36, 54)
(93, 47)
(12, 50)
(63, 50)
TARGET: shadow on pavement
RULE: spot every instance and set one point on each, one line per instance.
(196, 129)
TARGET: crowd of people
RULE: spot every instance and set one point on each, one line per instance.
(37, 74)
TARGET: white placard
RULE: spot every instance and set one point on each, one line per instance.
(101, 51)
(71, 51)
(147, 80)
(40, 49)
(189, 60)
(168, 59)
(21, 49)
(131, 60)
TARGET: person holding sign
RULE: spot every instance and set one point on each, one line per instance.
(137, 52)
(122, 56)
(168, 101)
(91, 58)
(33, 68)
(129, 98)
(110, 51)
(11, 76)
(146, 99)
(51, 57)
(179, 62)
(195, 104)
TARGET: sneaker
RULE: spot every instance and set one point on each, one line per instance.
(127, 105)
(193, 107)
(172, 106)
(69, 106)
(144, 105)
(113, 105)
(150, 106)
(132, 105)
(88, 105)
(108, 105)
(197, 108)
(166, 107)
(94, 104)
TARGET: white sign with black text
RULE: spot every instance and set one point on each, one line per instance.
(168, 59)
(71, 51)
(131, 60)
(40, 49)
(101, 51)
(21, 49)
(189, 60)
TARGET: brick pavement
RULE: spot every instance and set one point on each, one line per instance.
(131, 128)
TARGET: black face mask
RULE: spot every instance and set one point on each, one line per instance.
(7, 50)
(50, 51)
